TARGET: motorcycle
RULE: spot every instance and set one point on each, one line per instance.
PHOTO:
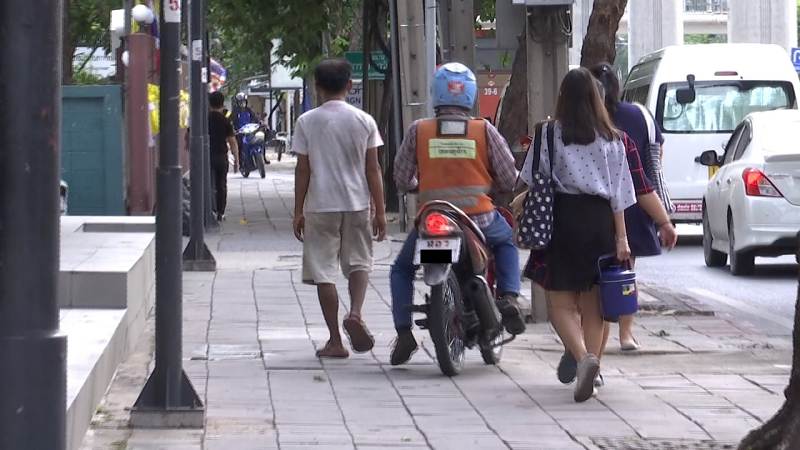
(458, 266)
(252, 152)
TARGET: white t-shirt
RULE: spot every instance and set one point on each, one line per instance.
(336, 136)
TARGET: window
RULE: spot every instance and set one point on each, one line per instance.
(637, 95)
(706, 6)
(719, 106)
(744, 141)
(730, 149)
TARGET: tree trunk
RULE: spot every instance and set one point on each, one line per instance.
(782, 431)
(68, 46)
(599, 45)
(513, 120)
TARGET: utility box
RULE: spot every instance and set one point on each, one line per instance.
(544, 2)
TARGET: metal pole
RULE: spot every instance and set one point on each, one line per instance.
(168, 398)
(32, 353)
(211, 222)
(197, 257)
(127, 6)
(430, 46)
(397, 100)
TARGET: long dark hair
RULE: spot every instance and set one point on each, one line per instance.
(605, 73)
(580, 110)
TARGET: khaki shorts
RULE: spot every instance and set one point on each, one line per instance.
(343, 238)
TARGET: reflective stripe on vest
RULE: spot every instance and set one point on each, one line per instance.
(455, 168)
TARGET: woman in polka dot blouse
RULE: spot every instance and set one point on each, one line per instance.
(593, 188)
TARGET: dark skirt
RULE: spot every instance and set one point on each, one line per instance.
(583, 231)
(642, 233)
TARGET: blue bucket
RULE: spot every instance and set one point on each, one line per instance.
(618, 293)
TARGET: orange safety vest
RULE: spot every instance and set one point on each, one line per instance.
(455, 168)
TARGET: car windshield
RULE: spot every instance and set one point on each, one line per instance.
(720, 106)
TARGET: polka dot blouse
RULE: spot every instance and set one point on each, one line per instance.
(600, 168)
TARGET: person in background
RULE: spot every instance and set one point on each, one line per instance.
(337, 179)
(490, 165)
(593, 188)
(241, 115)
(648, 224)
(222, 139)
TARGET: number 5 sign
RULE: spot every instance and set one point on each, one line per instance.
(172, 11)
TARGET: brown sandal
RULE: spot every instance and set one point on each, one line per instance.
(360, 337)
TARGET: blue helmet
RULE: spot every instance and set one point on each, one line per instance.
(454, 85)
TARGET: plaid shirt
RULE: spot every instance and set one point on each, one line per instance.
(641, 184)
(501, 162)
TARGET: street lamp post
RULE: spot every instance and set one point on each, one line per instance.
(197, 256)
(32, 352)
(168, 398)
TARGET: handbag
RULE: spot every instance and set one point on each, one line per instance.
(534, 221)
(652, 165)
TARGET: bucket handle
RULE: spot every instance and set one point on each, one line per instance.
(611, 257)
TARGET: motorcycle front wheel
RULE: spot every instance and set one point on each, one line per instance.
(444, 324)
(260, 163)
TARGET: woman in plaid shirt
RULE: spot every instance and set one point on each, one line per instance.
(646, 223)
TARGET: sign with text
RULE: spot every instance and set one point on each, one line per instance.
(377, 70)
(356, 95)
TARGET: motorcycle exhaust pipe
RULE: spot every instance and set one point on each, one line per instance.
(483, 301)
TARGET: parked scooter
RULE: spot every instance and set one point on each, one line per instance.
(458, 266)
(252, 152)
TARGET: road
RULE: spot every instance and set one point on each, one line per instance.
(769, 294)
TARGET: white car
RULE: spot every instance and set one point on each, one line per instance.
(752, 204)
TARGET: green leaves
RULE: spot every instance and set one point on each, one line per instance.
(89, 22)
(246, 28)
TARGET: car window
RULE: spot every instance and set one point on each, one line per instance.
(637, 95)
(730, 149)
(719, 105)
(744, 140)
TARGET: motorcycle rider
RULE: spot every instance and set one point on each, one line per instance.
(241, 116)
(480, 157)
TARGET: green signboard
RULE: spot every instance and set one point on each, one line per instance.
(380, 63)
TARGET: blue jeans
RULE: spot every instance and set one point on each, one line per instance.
(500, 238)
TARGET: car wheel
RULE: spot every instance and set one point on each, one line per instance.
(712, 257)
(742, 262)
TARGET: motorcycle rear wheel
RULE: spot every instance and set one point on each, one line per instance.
(444, 324)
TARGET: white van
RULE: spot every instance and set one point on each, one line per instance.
(729, 82)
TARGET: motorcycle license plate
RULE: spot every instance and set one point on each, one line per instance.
(437, 251)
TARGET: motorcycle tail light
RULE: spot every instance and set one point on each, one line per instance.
(437, 224)
(757, 184)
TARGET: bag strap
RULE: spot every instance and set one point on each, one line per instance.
(537, 147)
(648, 120)
(551, 143)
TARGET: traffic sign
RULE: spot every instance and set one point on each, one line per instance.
(796, 58)
(377, 70)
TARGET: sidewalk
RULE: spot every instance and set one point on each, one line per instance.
(251, 328)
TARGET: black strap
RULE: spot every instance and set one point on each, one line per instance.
(537, 147)
(551, 142)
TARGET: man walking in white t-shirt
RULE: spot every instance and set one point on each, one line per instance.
(337, 178)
